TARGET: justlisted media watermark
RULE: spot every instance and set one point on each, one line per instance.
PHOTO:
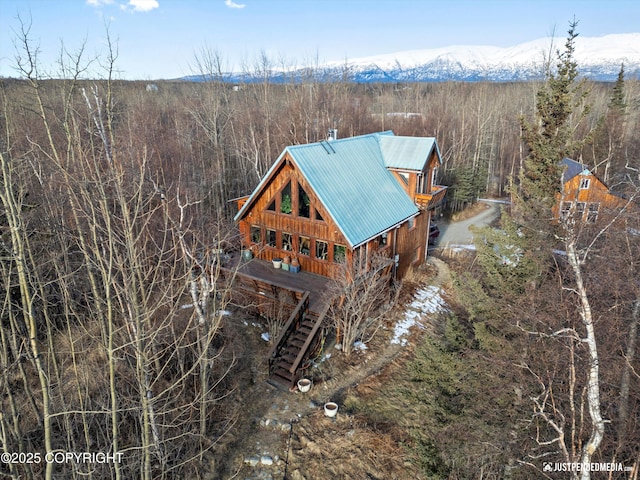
(584, 467)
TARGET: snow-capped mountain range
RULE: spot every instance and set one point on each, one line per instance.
(598, 58)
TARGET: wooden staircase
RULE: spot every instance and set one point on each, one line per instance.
(297, 343)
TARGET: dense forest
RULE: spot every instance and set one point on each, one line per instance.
(114, 194)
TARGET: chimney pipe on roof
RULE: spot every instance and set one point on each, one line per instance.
(332, 134)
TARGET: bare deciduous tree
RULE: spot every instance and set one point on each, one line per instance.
(361, 303)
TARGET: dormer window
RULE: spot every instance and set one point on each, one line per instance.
(584, 183)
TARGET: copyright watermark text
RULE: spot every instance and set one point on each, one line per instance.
(60, 457)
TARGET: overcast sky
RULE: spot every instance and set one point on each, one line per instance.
(160, 38)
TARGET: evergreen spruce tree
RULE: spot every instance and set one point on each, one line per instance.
(560, 106)
(618, 101)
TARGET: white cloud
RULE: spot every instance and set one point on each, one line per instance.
(143, 5)
(232, 4)
(98, 3)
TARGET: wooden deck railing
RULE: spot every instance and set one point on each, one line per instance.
(433, 199)
(289, 327)
(307, 348)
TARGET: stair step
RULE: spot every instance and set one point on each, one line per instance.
(300, 336)
(289, 357)
(281, 372)
(279, 382)
(308, 324)
(297, 342)
(284, 364)
(292, 352)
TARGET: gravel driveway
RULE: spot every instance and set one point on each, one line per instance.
(458, 233)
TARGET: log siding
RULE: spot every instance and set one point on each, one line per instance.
(286, 217)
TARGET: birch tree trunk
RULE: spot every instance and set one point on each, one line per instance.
(593, 382)
(20, 249)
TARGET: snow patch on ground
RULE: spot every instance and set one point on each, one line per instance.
(359, 345)
(460, 248)
(427, 300)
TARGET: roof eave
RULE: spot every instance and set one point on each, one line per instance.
(256, 191)
(395, 225)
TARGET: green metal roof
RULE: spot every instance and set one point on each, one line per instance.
(350, 177)
(407, 153)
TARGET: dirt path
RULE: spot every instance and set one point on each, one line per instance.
(260, 446)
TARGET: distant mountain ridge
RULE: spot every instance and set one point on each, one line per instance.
(598, 58)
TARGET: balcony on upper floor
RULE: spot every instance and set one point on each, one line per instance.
(432, 200)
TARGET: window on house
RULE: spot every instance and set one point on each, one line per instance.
(580, 206)
(319, 217)
(339, 253)
(421, 184)
(565, 209)
(584, 183)
(322, 250)
(272, 206)
(256, 234)
(304, 203)
(304, 245)
(271, 238)
(287, 243)
(592, 213)
(412, 222)
(285, 199)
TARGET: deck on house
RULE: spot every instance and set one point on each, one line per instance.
(432, 200)
(262, 271)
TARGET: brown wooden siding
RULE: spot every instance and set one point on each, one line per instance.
(596, 194)
(412, 243)
(316, 230)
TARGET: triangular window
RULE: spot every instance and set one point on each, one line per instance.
(272, 206)
(286, 204)
(304, 203)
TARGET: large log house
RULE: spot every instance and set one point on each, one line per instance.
(341, 203)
